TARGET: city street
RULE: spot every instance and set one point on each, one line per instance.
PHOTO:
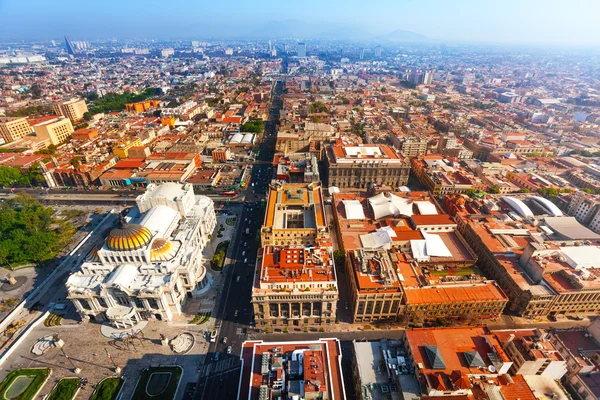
(216, 381)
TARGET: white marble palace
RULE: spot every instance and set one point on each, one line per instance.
(150, 262)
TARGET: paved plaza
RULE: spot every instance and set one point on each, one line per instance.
(87, 343)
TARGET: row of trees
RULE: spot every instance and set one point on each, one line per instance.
(116, 101)
(548, 192)
(29, 233)
(585, 153)
(11, 176)
(32, 111)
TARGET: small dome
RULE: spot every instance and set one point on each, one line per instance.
(162, 250)
(93, 256)
(128, 237)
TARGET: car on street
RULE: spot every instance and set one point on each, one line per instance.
(228, 349)
(225, 340)
(235, 314)
(216, 357)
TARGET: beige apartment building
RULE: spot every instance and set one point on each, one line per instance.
(57, 130)
(294, 215)
(72, 109)
(12, 129)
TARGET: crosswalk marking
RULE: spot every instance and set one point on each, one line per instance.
(219, 367)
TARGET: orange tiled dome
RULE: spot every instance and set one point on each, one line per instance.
(128, 237)
(162, 250)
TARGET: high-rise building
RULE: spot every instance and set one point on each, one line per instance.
(301, 49)
(72, 109)
(427, 77)
(378, 51)
(586, 209)
(164, 53)
(12, 129)
(420, 77)
(69, 46)
(55, 129)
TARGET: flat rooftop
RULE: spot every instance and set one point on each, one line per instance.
(282, 264)
(325, 366)
(288, 207)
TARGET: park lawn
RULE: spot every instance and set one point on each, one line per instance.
(40, 376)
(65, 389)
(168, 394)
(108, 389)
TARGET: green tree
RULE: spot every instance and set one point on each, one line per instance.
(318, 107)
(88, 116)
(255, 126)
(92, 96)
(494, 190)
(548, 192)
(76, 162)
(339, 257)
(36, 90)
(29, 232)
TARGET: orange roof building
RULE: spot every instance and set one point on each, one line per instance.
(361, 166)
(295, 216)
(307, 370)
(294, 286)
(459, 361)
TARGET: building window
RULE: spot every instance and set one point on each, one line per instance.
(85, 304)
(122, 300)
(102, 302)
(153, 303)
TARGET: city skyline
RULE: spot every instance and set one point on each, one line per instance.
(537, 23)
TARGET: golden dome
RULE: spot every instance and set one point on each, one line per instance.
(128, 237)
(162, 250)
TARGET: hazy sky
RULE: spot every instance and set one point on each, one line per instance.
(563, 22)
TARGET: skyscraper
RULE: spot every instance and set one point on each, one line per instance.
(301, 49)
(69, 46)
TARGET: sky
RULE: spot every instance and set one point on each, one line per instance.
(546, 22)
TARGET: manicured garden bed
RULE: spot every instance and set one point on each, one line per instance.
(158, 383)
(65, 389)
(23, 384)
(200, 318)
(219, 257)
(108, 389)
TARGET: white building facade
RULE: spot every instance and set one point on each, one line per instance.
(151, 262)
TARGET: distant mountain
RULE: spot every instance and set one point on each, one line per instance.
(303, 30)
(403, 36)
